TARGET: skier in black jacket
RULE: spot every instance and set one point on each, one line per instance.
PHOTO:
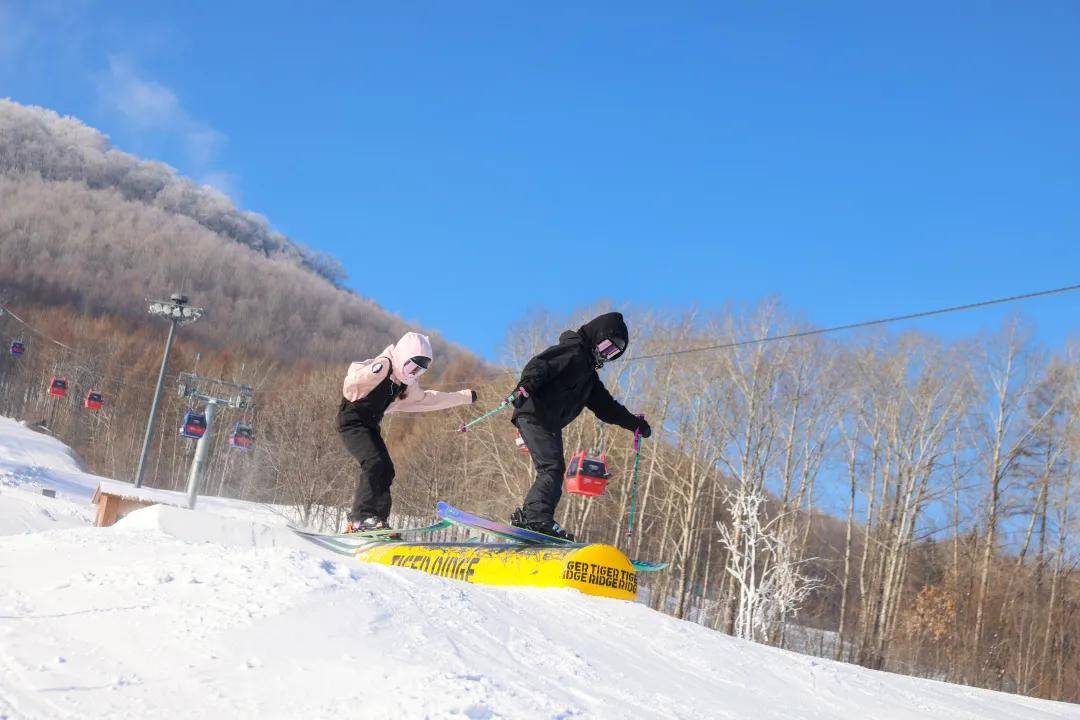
(555, 386)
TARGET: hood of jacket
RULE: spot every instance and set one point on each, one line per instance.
(605, 327)
(411, 344)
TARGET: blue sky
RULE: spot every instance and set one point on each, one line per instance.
(469, 162)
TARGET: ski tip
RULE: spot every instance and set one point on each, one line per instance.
(446, 510)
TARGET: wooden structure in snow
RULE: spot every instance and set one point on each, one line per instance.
(114, 500)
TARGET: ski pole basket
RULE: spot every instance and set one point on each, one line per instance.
(587, 474)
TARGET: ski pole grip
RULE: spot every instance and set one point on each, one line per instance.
(637, 432)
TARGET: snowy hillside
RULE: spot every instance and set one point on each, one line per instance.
(223, 612)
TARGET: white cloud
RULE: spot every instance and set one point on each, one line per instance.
(65, 35)
(224, 182)
(146, 104)
(203, 144)
(151, 107)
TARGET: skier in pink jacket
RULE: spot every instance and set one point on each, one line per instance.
(384, 384)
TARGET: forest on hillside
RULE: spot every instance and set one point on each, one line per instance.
(85, 226)
(57, 148)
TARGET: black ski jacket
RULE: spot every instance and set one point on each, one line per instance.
(562, 380)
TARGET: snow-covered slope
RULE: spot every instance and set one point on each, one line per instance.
(29, 462)
(222, 612)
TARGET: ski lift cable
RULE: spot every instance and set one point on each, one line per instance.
(651, 356)
(34, 330)
(862, 324)
(801, 334)
(150, 375)
(795, 335)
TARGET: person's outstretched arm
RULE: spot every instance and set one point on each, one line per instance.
(610, 410)
(419, 400)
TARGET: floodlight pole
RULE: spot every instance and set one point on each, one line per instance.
(154, 407)
(202, 450)
(174, 312)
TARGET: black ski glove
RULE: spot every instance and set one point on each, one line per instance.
(643, 428)
(473, 396)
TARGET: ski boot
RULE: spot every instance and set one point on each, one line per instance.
(544, 527)
(365, 524)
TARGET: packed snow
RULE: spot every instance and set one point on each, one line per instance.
(223, 612)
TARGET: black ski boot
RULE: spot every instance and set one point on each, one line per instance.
(545, 527)
(517, 518)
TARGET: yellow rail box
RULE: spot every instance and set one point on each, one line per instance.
(593, 569)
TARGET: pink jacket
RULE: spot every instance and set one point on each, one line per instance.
(363, 377)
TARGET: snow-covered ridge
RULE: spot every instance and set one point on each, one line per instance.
(64, 148)
(222, 612)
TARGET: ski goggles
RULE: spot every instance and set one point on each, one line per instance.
(414, 367)
(610, 349)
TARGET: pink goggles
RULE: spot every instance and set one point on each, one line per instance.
(416, 366)
(609, 349)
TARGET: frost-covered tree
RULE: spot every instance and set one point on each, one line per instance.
(770, 585)
(37, 140)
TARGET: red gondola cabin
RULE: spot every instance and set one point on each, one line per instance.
(17, 348)
(242, 436)
(93, 400)
(58, 386)
(587, 474)
(194, 425)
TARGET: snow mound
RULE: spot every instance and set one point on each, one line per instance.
(36, 461)
(26, 511)
(23, 447)
(209, 527)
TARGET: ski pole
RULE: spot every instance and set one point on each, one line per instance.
(502, 406)
(633, 483)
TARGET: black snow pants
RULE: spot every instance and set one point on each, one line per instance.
(546, 449)
(376, 472)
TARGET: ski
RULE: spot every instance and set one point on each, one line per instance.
(333, 546)
(476, 522)
(354, 539)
